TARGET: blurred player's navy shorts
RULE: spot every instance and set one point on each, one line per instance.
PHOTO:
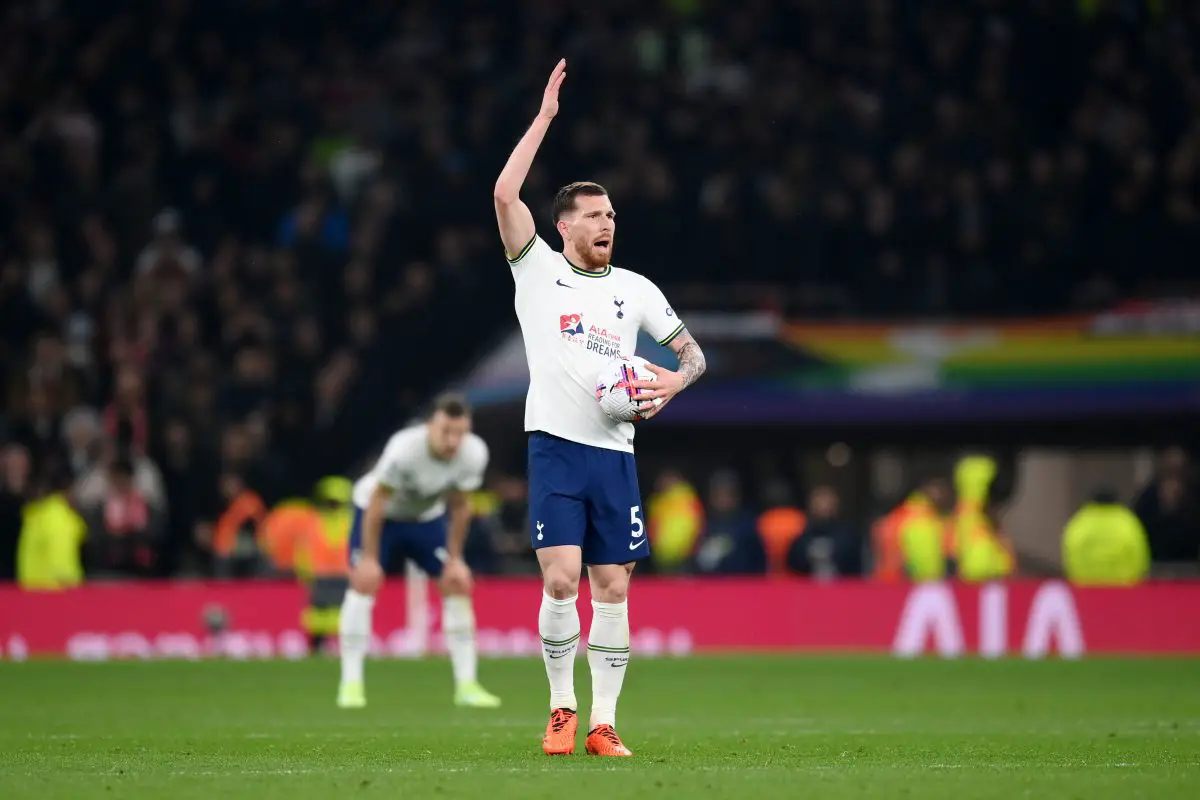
(585, 496)
(423, 542)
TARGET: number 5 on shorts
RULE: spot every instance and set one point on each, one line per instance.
(636, 522)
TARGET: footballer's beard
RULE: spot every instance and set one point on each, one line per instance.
(592, 257)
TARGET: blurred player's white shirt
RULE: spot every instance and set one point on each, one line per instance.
(574, 322)
(419, 480)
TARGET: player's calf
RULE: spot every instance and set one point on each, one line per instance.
(458, 629)
(354, 632)
(608, 654)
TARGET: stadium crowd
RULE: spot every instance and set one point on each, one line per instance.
(240, 241)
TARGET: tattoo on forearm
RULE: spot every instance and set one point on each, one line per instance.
(691, 359)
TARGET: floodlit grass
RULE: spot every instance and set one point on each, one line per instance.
(736, 727)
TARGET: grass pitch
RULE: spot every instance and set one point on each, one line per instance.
(736, 727)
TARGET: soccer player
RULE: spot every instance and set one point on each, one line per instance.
(401, 507)
(576, 312)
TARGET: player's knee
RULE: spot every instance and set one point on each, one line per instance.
(614, 592)
(453, 585)
(560, 584)
(610, 584)
(367, 584)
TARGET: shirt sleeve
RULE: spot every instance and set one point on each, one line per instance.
(391, 465)
(658, 318)
(476, 466)
(532, 253)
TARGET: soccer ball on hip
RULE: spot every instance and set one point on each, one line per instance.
(614, 392)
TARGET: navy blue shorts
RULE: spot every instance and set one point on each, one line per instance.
(423, 542)
(585, 496)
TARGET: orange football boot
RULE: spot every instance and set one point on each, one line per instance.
(560, 733)
(602, 740)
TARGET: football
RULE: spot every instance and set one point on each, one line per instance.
(614, 392)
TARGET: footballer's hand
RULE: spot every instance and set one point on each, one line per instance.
(550, 97)
(456, 576)
(657, 393)
(366, 576)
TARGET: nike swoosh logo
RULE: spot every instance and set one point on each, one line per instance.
(560, 655)
(636, 545)
(564, 285)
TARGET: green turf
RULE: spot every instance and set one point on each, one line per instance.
(753, 727)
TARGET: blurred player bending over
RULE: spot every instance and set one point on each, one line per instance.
(401, 508)
(576, 311)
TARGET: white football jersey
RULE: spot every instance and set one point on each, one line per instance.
(573, 322)
(419, 480)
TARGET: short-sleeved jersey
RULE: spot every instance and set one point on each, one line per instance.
(419, 480)
(573, 322)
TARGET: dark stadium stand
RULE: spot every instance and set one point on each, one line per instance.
(249, 237)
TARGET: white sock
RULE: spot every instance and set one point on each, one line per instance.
(558, 625)
(458, 629)
(354, 633)
(608, 656)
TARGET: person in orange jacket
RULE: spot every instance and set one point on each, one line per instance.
(285, 528)
(236, 544)
(322, 558)
(779, 525)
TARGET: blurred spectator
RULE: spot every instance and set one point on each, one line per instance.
(730, 545)
(781, 524)
(125, 525)
(322, 557)
(82, 436)
(983, 552)
(51, 371)
(263, 224)
(187, 475)
(19, 318)
(250, 389)
(37, 426)
(14, 493)
(829, 545)
(167, 253)
(318, 221)
(675, 520)
(912, 540)
(1104, 544)
(510, 529)
(125, 419)
(52, 537)
(235, 546)
(92, 489)
(1169, 509)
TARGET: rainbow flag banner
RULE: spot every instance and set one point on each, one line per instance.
(1142, 358)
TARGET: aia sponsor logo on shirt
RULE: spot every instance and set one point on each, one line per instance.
(570, 324)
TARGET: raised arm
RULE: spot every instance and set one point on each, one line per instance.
(512, 215)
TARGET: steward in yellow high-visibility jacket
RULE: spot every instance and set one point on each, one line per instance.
(981, 552)
(52, 534)
(922, 535)
(674, 522)
(1104, 544)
